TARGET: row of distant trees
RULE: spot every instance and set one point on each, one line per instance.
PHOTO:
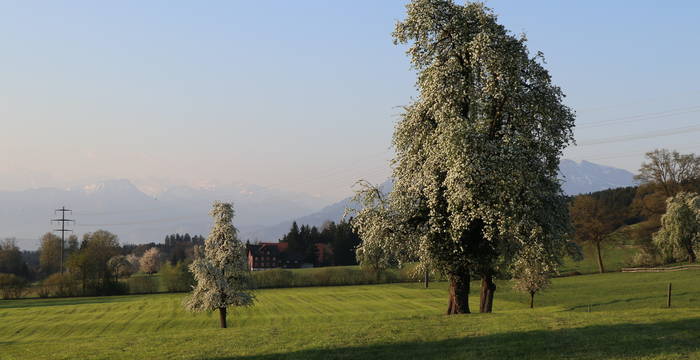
(97, 265)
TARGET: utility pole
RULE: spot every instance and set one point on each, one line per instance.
(63, 229)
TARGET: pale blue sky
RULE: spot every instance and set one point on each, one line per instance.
(301, 95)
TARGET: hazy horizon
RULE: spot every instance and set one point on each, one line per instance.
(302, 96)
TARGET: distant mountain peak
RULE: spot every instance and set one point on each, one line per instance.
(115, 186)
(577, 178)
(585, 177)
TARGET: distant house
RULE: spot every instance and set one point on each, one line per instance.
(264, 256)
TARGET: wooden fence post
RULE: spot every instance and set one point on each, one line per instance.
(669, 296)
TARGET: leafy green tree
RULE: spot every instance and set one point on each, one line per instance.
(176, 277)
(50, 254)
(221, 272)
(680, 226)
(90, 264)
(477, 153)
(11, 261)
(72, 245)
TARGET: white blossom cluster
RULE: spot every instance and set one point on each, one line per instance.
(679, 236)
(477, 153)
(221, 275)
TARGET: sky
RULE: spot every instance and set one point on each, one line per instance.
(303, 95)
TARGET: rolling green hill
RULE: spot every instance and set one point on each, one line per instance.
(398, 321)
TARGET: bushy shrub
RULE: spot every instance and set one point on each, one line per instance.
(12, 286)
(176, 278)
(645, 258)
(142, 284)
(273, 278)
(59, 285)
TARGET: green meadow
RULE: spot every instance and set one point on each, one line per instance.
(608, 316)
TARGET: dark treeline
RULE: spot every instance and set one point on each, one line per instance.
(340, 239)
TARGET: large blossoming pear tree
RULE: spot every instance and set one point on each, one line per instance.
(477, 153)
(221, 275)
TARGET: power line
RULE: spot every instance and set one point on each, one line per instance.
(648, 135)
(63, 229)
(641, 117)
(617, 156)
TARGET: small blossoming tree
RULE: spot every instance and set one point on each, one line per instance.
(531, 271)
(150, 261)
(221, 275)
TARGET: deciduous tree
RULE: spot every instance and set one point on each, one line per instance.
(119, 266)
(11, 261)
(532, 274)
(669, 170)
(593, 220)
(221, 273)
(150, 261)
(50, 254)
(680, 226)
(477, 153)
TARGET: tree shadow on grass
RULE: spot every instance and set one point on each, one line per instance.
(619, 341)
(30, 303)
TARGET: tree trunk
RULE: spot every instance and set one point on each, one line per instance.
(532, 299)
(488, 287)
(600, 258)
(459, 293)
(691, 254)
(426, 278)
(222, 317)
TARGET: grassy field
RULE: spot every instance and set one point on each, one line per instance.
(398, 321)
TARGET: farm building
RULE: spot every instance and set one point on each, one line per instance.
(275, 255)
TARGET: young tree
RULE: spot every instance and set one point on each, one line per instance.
(680, 226)
(531, 274)
(477, 153)
(221, 273)
(593, 220)
(150, 261)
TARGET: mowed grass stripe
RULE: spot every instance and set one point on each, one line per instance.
(374, 321)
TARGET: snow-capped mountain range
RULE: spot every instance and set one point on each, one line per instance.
(261, 214)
